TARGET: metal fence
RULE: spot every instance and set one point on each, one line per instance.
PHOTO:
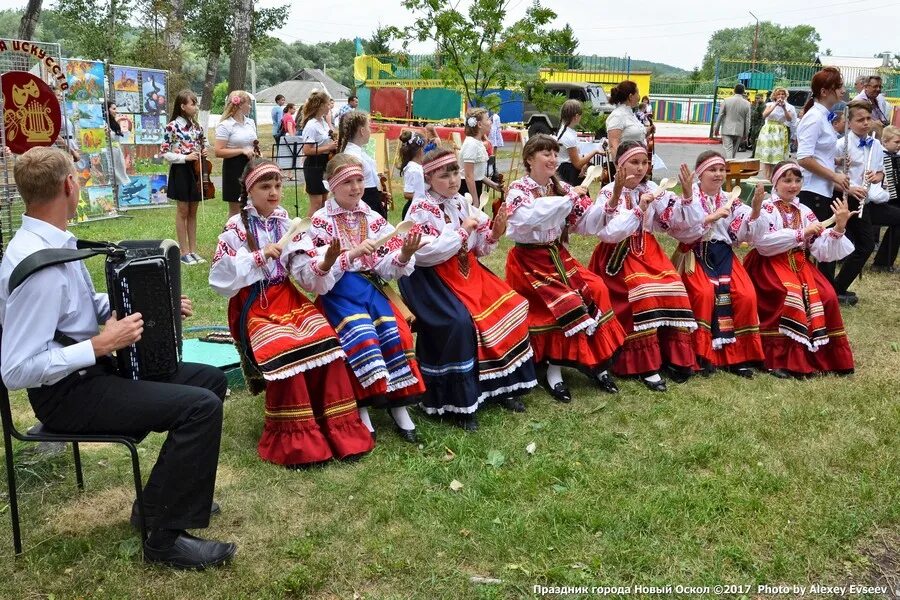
(799, 74)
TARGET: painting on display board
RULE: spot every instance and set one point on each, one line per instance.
(92, 140)
(100, 202)
(128, 155)
(377, 149)
(136, 192)
(126, 122)
(159, 189)
(125, 80)
(87, 115)
(150, 130)
(128, 102)
(153, 92)
(98, 169)
(85, 79)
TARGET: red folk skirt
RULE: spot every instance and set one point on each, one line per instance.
(570, 315)
(800, 319)
(650, 302)
(310, 413)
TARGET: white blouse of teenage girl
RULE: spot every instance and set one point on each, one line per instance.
(542, 166)
(789, 185)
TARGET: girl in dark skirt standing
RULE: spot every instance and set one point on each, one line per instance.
(181, 148)
(234, 142)
(317, 147)
(354, 134)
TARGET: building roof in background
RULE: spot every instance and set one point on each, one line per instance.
(298, 88)
(853, 62)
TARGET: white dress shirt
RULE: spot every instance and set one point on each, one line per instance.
(858, 167)
(473, 151)
(370, 169)
(816, 138)
(623, 118)
(568, 139)
(414, 179)
(236, 135)
(58, 298)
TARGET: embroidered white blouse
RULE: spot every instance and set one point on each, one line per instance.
(771, 234)
(442, 217)
(537, 216)
(731, 229)
(663, 214)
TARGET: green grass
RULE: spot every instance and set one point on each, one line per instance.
(719, 480)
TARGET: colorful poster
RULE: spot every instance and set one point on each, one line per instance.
(159, 189)
(126, 122)
(153, 92)
(125, 80)
(92, 140)
(128, 102)
(85, 78)
(87, 116)
(32, 116)
(100, 202)
(150, 130)
(135, 193)
(98, 169)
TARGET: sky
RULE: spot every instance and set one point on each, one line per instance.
(667, 31)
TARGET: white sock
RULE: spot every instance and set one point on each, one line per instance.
(364, 417)
(653, 378)
(554, 375)
(402, 418)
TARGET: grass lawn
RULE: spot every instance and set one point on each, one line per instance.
(718, 481)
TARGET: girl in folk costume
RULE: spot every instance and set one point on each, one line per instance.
(355, 133)
(412, 153)
(722, 296)
(802, 329)
(571, 162)
(472, 328)
(287, 346)
(372, 330)
(647, 294)
(317, 146)
(180, 148)
(570, 316)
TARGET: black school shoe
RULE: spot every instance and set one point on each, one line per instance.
(467, 422)
(135, 520)
(512, 404)
(190, 552)
(656, 386)
(606, 383)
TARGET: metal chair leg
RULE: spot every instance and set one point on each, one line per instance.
(13, 498)
(79, 476)
(138, 490)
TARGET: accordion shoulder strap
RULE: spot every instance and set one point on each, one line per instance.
(49, 257)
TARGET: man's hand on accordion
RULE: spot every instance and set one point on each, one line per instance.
(118, 334)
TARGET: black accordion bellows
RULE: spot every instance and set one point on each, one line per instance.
(148, 280)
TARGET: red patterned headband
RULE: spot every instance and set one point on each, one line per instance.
(633, 152)
(710, 162)
(782, 170)
(343, 175)
(443, 161)
(258, 172)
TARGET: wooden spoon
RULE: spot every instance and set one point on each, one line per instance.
(402, 229)
(298, 225)
(592, 173)
(732, 196)
(665, 185)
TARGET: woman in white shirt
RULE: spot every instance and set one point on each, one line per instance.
(355, 133)
(473, 156)
(774, 142)
(318, 146)
(235, 137)
(571, 162)
(622, 125)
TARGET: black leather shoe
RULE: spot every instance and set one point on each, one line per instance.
(407, 435)
(560, 392)
(513, 404)
(847, 299)
(708, 369)
(214, 509)
(745, 372)
(779, 373)
(467, 422)
(882, 269)
(606, 383)
(677, 375)
(656, 386)
(190, 552)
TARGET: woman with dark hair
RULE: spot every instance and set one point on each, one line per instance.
(622, 125)
(117, 137)
(817, 150)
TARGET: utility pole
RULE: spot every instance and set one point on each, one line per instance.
(755, 40)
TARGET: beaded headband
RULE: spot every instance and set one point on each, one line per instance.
(443, 161)
(782, 170)
(633, 152)
(258, 172)
(710, 162)
(343, 175)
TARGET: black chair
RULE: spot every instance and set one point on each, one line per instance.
(39, 433)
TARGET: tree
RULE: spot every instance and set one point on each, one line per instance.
(561, 46)
(30, 19)
(240, 48)
(380, 42)
(776, 43)
(477, 51)
(99, 28)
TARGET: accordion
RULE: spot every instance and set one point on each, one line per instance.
(892, 176)
(147, 279)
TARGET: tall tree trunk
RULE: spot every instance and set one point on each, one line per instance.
(209, 82)
(240, 46)
(30, 20)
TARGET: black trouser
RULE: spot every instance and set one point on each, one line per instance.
(179, 490)
(887, 215)
(859, 231)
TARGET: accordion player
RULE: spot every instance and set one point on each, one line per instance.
(146, 278)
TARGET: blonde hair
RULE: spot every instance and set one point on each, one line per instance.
(475, 113)
(340, 161)
(230, 107)
(317, 99)
(349, 126)
(780, 89)
(40, 173)
(891, 131)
